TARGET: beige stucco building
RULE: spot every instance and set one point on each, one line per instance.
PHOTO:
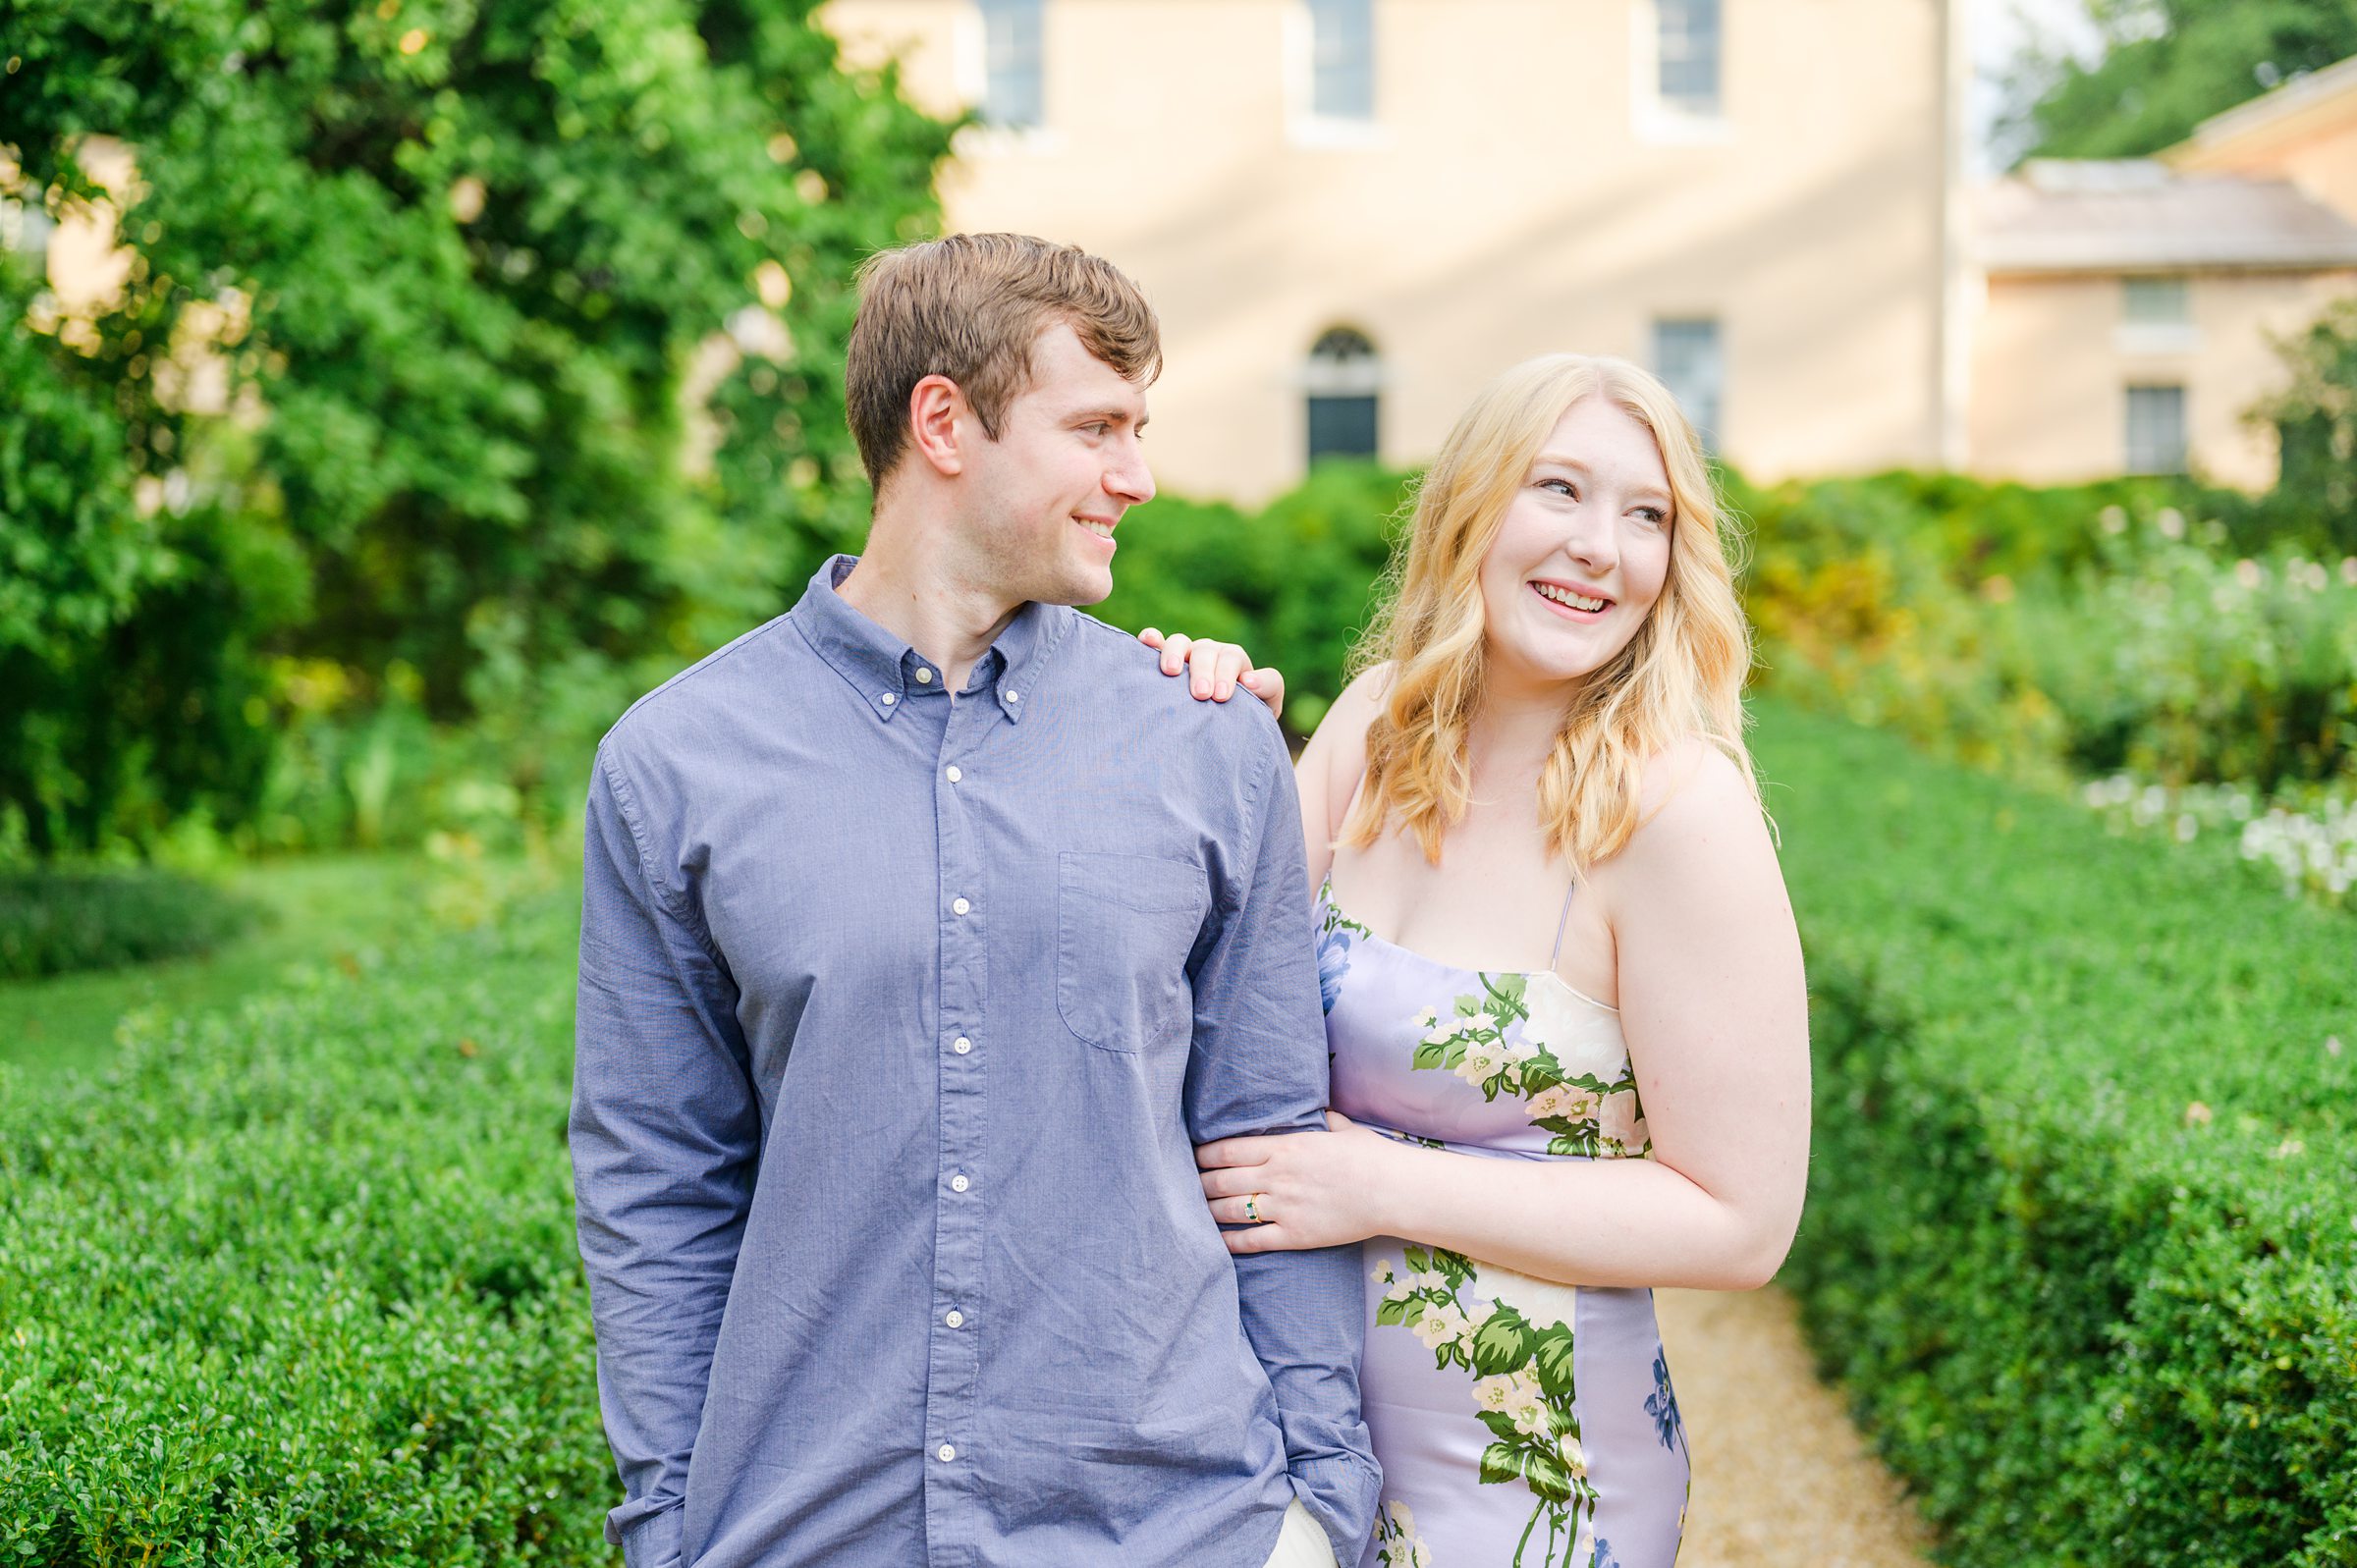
(1756, 198)
(2123, 315)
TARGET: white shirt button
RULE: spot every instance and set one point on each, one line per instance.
(958, 1183)
(924, 677)
(954, 1318)
(955, 773)
(946, 1453)
(961, 1045)
(888, 699)
(1013, 695)
(960, 905)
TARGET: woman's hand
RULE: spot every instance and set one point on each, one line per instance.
(1219, 667)
(1304, 1190)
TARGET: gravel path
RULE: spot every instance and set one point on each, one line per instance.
(1782, 1479)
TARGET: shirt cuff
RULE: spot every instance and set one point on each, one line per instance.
(652, 1540)
(1341, 1493)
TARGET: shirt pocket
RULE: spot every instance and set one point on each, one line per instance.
(1124, 924)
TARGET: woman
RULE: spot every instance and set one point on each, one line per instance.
(1564, 992)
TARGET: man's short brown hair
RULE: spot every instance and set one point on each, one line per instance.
(970, 307)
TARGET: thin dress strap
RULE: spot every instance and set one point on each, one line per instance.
(1563, 923)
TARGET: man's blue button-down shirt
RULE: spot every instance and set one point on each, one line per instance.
(900, 1013)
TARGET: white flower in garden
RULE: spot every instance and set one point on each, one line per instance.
(2170, 521)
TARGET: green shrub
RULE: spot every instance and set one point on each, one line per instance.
(298, 1286)
(2081, 1239)
(1296, 583)
(2054, 633)
(55, 922)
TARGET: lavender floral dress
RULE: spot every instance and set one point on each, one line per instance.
(1521, 1423)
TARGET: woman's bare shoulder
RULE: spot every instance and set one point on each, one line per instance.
(1336, 753)
(1693, 788)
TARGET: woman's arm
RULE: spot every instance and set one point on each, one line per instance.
(1715, 1009)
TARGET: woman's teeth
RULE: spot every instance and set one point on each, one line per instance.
(1565, 597)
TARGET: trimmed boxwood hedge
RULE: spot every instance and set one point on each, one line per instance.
(58, 922)
(2081, 1238)
(297, 1285)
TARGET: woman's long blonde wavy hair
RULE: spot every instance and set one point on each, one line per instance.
(1679, 678)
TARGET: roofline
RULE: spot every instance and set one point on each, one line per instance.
(2076, 262)
(2269, 109)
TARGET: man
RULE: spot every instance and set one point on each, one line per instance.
(926, 930)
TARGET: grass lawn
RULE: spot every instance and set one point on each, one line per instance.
(354, 911)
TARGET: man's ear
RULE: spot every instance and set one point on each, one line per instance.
(940, 422)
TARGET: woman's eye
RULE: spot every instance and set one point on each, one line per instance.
(1562, 487)
(1654, 516)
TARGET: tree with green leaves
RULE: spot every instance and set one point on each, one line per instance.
(2315, 416)
(463, 265)
(2164, 65)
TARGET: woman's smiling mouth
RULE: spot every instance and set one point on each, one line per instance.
(1571, 601)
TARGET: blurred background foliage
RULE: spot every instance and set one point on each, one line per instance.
(475, 362)
(2162, 67)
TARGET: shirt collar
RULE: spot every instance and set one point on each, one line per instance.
(883, 668)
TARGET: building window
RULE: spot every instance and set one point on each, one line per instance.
(2157, 429)
(2155, 302)
(1342, 59)
(1345, 381)
(1686, 55)
(1013, 91)
(1687, 356)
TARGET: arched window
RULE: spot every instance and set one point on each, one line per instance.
(1345, 381)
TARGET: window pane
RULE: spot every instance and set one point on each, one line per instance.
(1343, 59)
(1342, 427)
(1012, 92)
(1686, 355)
(1688, 50)
(2158, 301)
(2155, 430)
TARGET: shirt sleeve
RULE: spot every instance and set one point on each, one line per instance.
(1259, 1066)
(665, 1132)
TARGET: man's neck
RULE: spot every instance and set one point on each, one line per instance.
(920, 596)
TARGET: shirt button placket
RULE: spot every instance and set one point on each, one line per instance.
(953, 1475)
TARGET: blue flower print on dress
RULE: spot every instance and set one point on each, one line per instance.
(1662, 1405)
(1333, 962)
(1604, 1557)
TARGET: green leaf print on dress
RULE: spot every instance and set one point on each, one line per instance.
(1565, 1062)
(1517, 1345)
(1562, 1054)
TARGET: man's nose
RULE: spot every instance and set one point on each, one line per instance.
(1129, 478)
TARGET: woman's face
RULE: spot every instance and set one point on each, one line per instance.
(1583, 552)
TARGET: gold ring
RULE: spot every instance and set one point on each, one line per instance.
(1252, 1208)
